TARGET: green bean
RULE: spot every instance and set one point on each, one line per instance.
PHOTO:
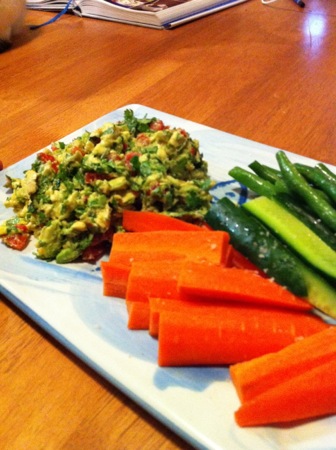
(308, 172)
(265, 172)
(329, 182)
(320, 179)
(253, 181)
(298, 185)
(281, 187)
(271, 175)
(327, 171)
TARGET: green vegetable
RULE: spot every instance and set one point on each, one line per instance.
(321, 294)
(136, 125)
(294, 233)
(251, 238)
(265, 172)
(299, 186)
(253, 181)
(311, 221)
(258, 244)
(272, 175)
(327, 171)
(267, 181)
(319, 178)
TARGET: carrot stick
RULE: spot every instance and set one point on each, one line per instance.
(115, 272)
(151, 279)
(238, 334)
(138, 315)
(155, 279)
(308, 395)
(157, 305)
(208, 245)
(213, 281)
(115, 278)
(228, 262)
(131, 255)
(151, 221)
(252, 378)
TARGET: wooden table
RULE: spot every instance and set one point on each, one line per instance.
(266, 73)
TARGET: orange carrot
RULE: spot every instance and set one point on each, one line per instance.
(215, 281)
(115, 272)
(208, 245)
(151, 279)
(252, 378)
(308, 395)
(115, 278)
(155, 279)
(238, 334)
(228, 262)
(138, 315)
(152, 221)
(131, 255)
(158, 305)
(206, 227)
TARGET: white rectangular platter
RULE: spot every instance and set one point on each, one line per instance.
(67, 301)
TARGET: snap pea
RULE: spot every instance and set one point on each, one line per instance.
(319, 178)
(299, 186)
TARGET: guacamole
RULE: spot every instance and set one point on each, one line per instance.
(72, 197)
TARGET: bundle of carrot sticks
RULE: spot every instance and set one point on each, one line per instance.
(207, 305)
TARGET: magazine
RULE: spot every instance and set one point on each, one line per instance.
(148, 13)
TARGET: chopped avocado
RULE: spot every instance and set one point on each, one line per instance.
(77, 190)
(50, 241)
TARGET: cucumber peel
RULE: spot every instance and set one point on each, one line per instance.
(321, 294)
(295, 234)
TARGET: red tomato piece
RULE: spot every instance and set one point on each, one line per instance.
(157, 125)
(17, 241)
(21, 227)
(45, 157)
